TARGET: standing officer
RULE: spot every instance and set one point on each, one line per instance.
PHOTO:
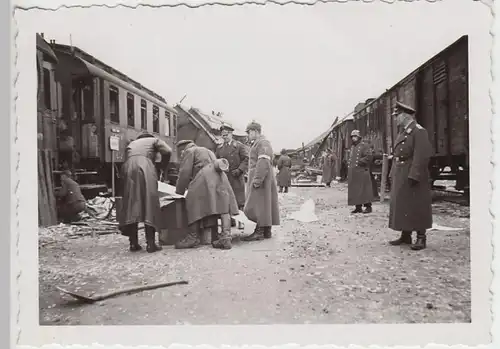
(359, 187)
(411, 202)
(236, 153)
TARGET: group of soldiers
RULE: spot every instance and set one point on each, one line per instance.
(216, 186)
(410, 199)
(213, 184)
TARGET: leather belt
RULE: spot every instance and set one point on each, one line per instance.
(401, 158)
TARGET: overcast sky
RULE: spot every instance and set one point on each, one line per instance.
(293, 68)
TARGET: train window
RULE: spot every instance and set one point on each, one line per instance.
(88, 102)
(174, 125)
(46, 88)
(167, 124)
(156, 119)
(130, 110)
(144, 117)
(114, 114)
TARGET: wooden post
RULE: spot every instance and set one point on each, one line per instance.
(383, 179)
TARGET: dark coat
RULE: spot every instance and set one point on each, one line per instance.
(261, 205)
(360, 188)
(236, 153)
(209, 192)
(141, 201)
(411, 207)
(329, 162)
(284, 177)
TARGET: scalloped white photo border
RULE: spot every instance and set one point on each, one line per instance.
(24, 265)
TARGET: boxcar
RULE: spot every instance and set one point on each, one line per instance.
(438, 90)
(101, 106)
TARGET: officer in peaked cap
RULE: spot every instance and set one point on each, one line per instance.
(236, 154)
(401, 107)
(410, 206)
(226, 127)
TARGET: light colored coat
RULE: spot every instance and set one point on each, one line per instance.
(261, 205)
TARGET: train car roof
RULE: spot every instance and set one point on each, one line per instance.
(44, 47)
(420, 67)
(98, 68)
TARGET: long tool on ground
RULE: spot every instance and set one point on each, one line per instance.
(135, 289)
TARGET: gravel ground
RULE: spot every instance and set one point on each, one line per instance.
(338, 269)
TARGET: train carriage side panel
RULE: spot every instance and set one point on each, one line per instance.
(425, 107)
(458, 99)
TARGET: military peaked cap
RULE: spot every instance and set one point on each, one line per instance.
(226, 127)
(255, 126)
(355, 133)
(404, 108)
(145, 134)
(183, 142)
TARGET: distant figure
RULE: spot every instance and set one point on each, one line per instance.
(360, 188)
(71, 202)
(141, 201)
(209, 195)
(236, 153)
(411, 202)
(261, 205)
(329, 162)
(284, 177)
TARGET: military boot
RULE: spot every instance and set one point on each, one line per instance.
(280, 190)
(257, 234)
(134, 242)
(421, 241)
(358, 209)
(224, 240)
(368, 208)
(286, 190)
(405, 238)
(133, 238)
(266, 231)
(150, 240)
(192, 239)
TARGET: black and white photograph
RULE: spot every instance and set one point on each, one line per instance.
(259, 164)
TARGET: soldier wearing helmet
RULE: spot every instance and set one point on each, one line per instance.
(360, 188)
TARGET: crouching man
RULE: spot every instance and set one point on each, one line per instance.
(209, 195)
(71, 201)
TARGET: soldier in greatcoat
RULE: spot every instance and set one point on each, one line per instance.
(329, 162)
(360, 189)
(141, 202)
(236, 153)
(411, 201)
(261, 205)
(284, 177)
(209, 195)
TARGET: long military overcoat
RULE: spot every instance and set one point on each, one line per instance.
(411, 207)
(329, 162)
(209, 191)
(360, 189)
(236, 153)
(261, 205)
(141, 201)
(284, 176)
